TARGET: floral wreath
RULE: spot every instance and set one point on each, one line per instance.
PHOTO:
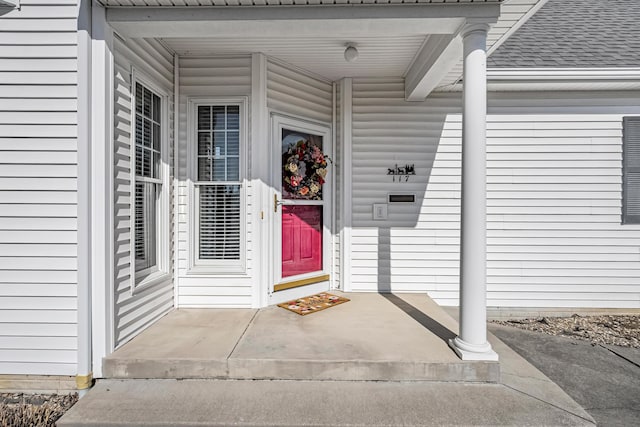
(305, 170)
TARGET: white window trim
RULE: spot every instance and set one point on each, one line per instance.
(143, 279)
(216, 267)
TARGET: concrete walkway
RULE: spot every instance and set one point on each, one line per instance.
(394, 335)
(304, 403)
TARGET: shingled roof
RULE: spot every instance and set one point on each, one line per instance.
(575, 34)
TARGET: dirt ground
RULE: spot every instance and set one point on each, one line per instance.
(27, 410)
(618, 330)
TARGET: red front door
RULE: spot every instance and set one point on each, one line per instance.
(301, 239)
(303, 168)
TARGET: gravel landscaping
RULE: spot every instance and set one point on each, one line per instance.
(31, 410)
(618, 330)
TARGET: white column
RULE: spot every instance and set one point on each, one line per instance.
(472, 343)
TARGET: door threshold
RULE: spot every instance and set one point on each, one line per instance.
(301, 282)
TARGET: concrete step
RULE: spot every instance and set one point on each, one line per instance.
(292, 369)
(319, 403)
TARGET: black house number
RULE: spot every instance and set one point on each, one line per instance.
(401, 173)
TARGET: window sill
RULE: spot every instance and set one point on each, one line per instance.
(218, 271)
(152, 279)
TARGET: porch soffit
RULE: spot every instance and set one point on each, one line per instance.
(388, 36)
(378, 57)
(394, 31)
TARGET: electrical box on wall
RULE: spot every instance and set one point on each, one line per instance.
(380, 211)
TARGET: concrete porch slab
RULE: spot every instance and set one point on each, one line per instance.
(373, 337)
(524, 395)
(193, 343)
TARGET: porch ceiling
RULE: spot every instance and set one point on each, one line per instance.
(389, 36)
(324, 56)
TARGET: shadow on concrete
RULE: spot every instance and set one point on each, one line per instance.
(429, 323)
(384, 289)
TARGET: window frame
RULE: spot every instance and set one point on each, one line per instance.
(199, 266)
(625, 219)
(160, 272)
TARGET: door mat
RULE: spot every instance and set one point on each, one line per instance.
(313, 304)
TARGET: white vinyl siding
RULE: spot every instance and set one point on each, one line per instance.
(134, 311)
(631, 171)
(293, 92)
(555, 194)
(554, 232)
(554, 198)
(219, 77)
(417, 248)
(38, 189)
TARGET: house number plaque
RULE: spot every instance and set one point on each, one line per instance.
(401, 173)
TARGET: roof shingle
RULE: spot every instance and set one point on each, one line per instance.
(575, 34)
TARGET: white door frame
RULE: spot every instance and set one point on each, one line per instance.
(278, 122)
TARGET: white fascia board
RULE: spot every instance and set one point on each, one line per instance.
(286, 13)
(516, 26)
(284, 21)
(564, 79)
(436, 58)
(337, 28)
(545, 79)
(549, 74)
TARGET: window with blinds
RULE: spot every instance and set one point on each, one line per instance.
(631, 170)
(148, 185)
(219, 185)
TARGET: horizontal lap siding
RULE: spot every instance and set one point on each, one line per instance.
(417, 248)
(38, 189)
(210, 77)
(292, 92)
(554, 198)
(134, 312)
(554, 231)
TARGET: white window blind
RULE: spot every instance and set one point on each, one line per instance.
(220, 222)
(148, 186)
(631, 171)
(219, 186)
(145, 225)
